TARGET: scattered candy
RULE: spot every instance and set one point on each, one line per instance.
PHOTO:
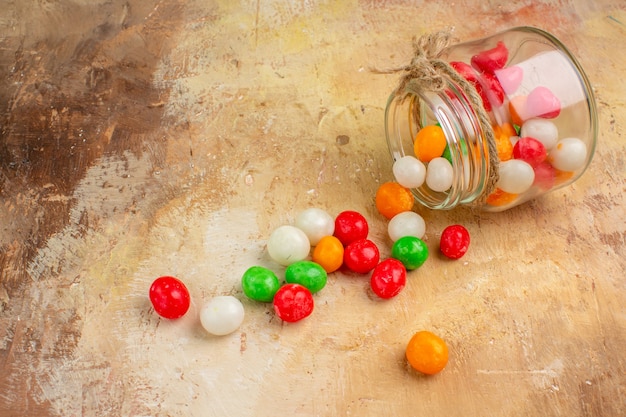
(411, 251)
(315, 223)
(407, 223)
(429, 143)
(361, 256)
(350, 226)
(427, 353)
(454, 242)
(328, 253)
(439, 175)
(293, 302)
(516, 176)
(409, 171)
(569, 154)
(169, 297)
(222, 315)
(543, 130)
(392, 198)
(388, 278)
(260, 284)
(529, 150)
(288, 244)
(308, 274)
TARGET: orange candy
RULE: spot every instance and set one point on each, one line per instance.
(500, 198)
(503, 141)
(392, 199)
(430, 142)
(427, 353)
(328, 253)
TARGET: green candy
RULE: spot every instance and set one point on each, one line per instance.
(308, 274)
(260, 284)
(411, 251)
(448, 155)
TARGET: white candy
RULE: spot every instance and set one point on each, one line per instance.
(439, 174)
(288, 244)
(315, 223)
(407, 223)
(222, 315)
(409, 172)
(569, 154)
(543, 130)
(516, 176)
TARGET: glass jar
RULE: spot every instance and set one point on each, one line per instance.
(515, 118)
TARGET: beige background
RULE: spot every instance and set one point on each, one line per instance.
(142, 138)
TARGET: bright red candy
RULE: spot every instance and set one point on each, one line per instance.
(293, 302)
(455, 241)
(545, 176)
(530, 150)
(494, 89)
(469, 74)
(492, 59)
(169, 297)
(350, 226)
(361, 256)
(388, 278)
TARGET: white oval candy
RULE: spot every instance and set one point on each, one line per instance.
(409, 171)
(439, 174)
(222, 315)
(315, 223)
(288, 244)
(569, 154)
(407, 223)
(543, 130)
(516, 176)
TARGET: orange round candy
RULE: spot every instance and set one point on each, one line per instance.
(430, 142)
(503, 143)
(328, 253)
(500, 198)
(392, 199)
(427, 353)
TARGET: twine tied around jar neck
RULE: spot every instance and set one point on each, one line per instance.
(428, 73)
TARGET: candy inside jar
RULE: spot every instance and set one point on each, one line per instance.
(510, 118)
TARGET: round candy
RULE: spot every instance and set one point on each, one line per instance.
(545, 176)
(260, 284)
(409, 171)
(429, 143)
(388, 278)
(543, 130)
(439, 175)
(361, 256)
(407, 223)
(308, 274)
(569, 154)
(454, 242)
(529, 150)
(516, 176)
(350, 226)
(392, 198)
(427, 353)
(315, 223)
(411, 251)
(293, 302)
(328, 253)
(169, 297)
(500, 198)
(222, 315)
(288, 244)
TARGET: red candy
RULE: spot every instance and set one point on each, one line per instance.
(492, 59)
(468, 73)
(169, 297)
(361, 256)
(350, 226)
(530, 150)
(454, 241)
(494, 89)
(388, 278)
(293, 302)
(545, 176)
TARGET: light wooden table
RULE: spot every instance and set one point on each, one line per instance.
(142, 138)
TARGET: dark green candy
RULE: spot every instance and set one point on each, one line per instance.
(411, 251)
(260, 284)
(308, 274)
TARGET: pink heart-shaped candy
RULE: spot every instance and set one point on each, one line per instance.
(510, 78)
(542, 103)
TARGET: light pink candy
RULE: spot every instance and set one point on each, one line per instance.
(510, 78)
(542, 103)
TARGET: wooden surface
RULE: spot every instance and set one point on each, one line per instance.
(142, 138)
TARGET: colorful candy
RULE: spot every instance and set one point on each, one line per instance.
(429, 143)
(169, 297)
(361, 256)
(439, 174)
(530, 150)
(293, 302)
(516, 176)
(411, 251)
(454, 242)
(545, 131)
(288, 244)
(328, 253)
(409, 171)
(407, 223)
(260, 284)
(350, 226)
(569, 154)
(308, 274)
(222, 315)
(492, 59)
(315, 223)
(388, 278)
(392, 198)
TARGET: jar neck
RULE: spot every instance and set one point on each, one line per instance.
(451, 109)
